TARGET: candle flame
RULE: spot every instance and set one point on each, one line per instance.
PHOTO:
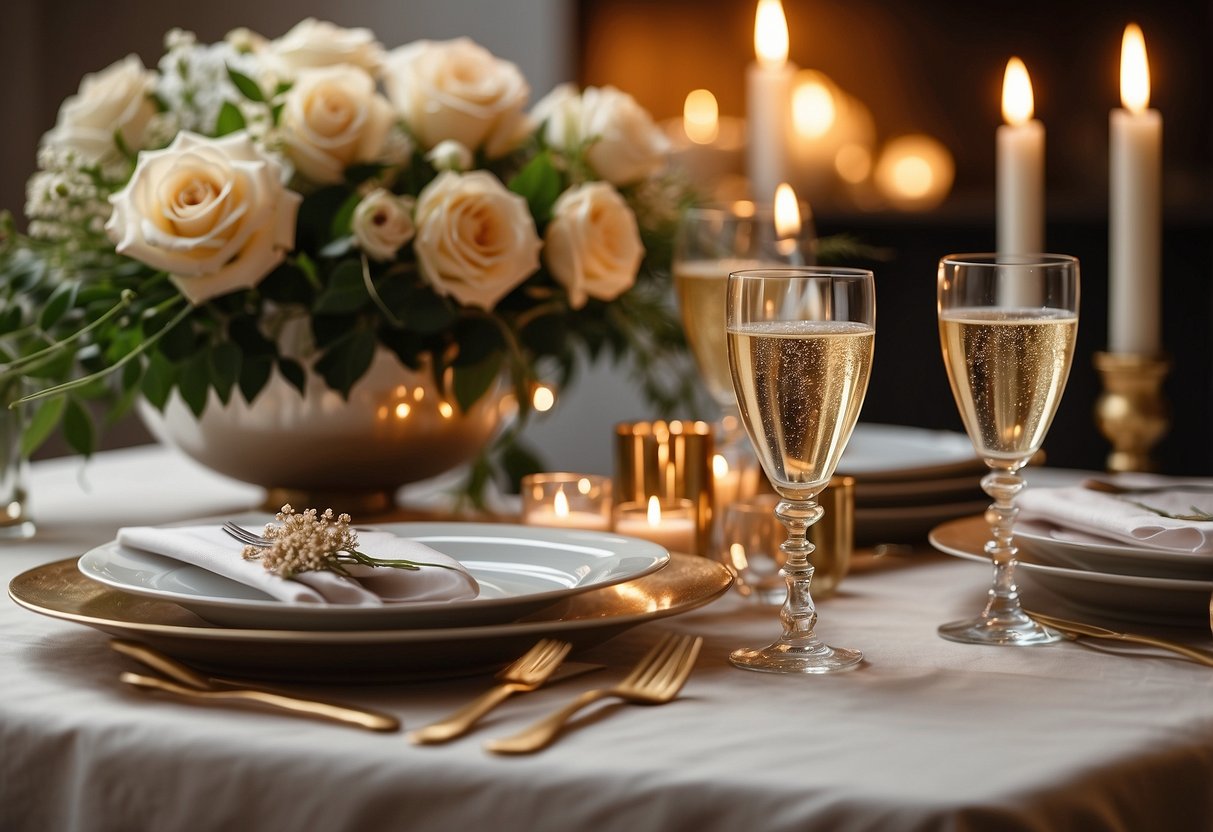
(720, 466)
(560, 503)
(701, 117)
(813, 109)
(654, 512)
(1134, 71)
(1017, 101)
(770, 34)
(787, 212)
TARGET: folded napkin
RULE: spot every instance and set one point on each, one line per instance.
(1128, 518)
(210, 548)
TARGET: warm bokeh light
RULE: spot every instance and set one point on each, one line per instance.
(814, 112)
(787, 212)
(1134, 71)
(1017, 102)
(915, 172)
(403, 410)
(770, 34)
(445, 410)
(853, 162)
(701, 117)
(584, 485)
(560, 504)
(543, 398)
(720, 466)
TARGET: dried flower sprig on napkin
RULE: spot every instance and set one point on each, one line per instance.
(311, 542)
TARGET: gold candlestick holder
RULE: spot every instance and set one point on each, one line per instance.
(1131, 412)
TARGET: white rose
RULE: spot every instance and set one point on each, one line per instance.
(592, 245)
(317, 43)
(627, 145)
(331, 118)
(115, 100)
(382, 223)
(213, 213)
(476, 240)
(449, 155)
(458, 90)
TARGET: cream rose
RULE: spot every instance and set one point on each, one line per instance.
(449, 155)
(331, 118)
(592, 245)
(316, 43)
(115, 100)
(458, 90)
(213, 213)
(626, 144)
(475, 240)
(382, 223)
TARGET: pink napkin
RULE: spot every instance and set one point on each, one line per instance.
(209, 548)
(1125, 518)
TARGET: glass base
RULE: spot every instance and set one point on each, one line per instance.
(1017, 630)
(19, 530)
(787, 657)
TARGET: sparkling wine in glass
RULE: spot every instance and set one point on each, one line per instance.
(800, 352)
(1007, 326)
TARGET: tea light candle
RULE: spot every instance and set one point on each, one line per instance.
(671, 525)
(726, 482)
(567, 501)
(1020, 167)
(706, 146)
(1136, 209)
(768, 102)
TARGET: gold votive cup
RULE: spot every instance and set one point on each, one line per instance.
(1131, 412)
(671, 461)
(566, 501)
(751, 535)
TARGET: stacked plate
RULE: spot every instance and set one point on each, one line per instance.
(1108, 580)
(908, 480)
(581, 586)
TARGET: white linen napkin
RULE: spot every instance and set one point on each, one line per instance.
(1126, 518)
(210, 548)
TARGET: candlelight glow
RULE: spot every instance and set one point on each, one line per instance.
(915, 172)
(701, 117)
(1134, 71)
(813, 109)
(1017, 102)
(770, 34)
(542, 399)
(787, 212)
(403, 410)
(720, 466)
(560, 504)
(654, 512)
(584, 485)
(853, 163)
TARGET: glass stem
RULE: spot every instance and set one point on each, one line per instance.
(798, 613)
(1002, 486)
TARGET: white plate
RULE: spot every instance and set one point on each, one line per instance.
(1129, 597)
(520, 569)
(1124, 559)
(896, 452)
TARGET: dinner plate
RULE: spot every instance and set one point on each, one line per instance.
(908, 523)
(59, 590)
(1171, 601)
(882, 453)
(1043, 542)
(520, 569)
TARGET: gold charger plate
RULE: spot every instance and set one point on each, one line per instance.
(59, 590)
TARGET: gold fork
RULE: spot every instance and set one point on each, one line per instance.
(655, 680)
(1076, 629)
(523, 676)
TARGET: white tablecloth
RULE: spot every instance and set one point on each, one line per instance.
(927, 735)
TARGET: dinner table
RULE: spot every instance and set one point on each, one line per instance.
(926, 734)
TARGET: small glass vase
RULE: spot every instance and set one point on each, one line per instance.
(15, 523)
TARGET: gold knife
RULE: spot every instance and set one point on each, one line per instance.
(1076, 629)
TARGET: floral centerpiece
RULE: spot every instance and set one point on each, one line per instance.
(294, 206)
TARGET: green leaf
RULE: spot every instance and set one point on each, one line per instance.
(346, 291)
(247, 86)
(288, 283)
(224, 368)
(10, 320)
(254, 375)
(78, 428)
(194, 381)
(230, 119)
(539, 183)
(478, 338)
(294, 373)
(425, 311)
(347, 360)
(57, 305)
(158, 380)
(473, 380)
(342, 225)
(42, 424)
(518, 460)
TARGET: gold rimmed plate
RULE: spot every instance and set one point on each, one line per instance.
(60, 591)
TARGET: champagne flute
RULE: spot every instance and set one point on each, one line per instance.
(1007, 325)
(711, 242)
(800, 350)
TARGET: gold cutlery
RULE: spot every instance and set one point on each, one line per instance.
(655, 680)
(1106, 487)
(1076, 629)
(525, 675)
(186, 683)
